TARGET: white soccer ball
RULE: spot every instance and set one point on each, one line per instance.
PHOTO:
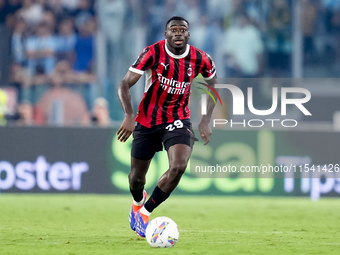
(162, 232)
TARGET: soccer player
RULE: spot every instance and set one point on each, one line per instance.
(163, 116)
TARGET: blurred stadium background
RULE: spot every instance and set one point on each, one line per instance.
(62, 61)
(61, 64)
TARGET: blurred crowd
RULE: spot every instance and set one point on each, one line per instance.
(52, 72)
(52, 68)
(255, 37)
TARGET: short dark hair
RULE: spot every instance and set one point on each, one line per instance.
(176, 18)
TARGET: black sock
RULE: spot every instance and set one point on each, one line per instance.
(137, 194)
(157, 197)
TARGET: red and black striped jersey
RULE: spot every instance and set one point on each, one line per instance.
(168, 82)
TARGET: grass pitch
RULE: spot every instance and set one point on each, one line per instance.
(98, 224)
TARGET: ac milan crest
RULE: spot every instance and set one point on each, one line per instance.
(189, 71)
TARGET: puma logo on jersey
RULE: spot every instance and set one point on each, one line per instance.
(165, 66)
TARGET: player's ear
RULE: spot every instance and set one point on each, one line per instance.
(188, 34)
(165, 34)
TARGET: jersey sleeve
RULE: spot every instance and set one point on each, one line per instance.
(208, 70)
(143, 62)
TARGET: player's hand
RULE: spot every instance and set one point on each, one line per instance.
(126, 128)
(205, 131)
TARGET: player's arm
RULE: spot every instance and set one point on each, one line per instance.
(124, 96)
(204, 127)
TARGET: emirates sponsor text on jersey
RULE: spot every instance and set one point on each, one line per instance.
(172, 86)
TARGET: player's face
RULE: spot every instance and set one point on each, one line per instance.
(177, 35)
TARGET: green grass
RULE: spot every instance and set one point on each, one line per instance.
(98, 224)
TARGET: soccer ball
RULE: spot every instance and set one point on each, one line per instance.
(162, 232)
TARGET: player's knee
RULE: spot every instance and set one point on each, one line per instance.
(178, 168)
(136, 182)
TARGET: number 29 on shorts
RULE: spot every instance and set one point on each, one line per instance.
(173, 126)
